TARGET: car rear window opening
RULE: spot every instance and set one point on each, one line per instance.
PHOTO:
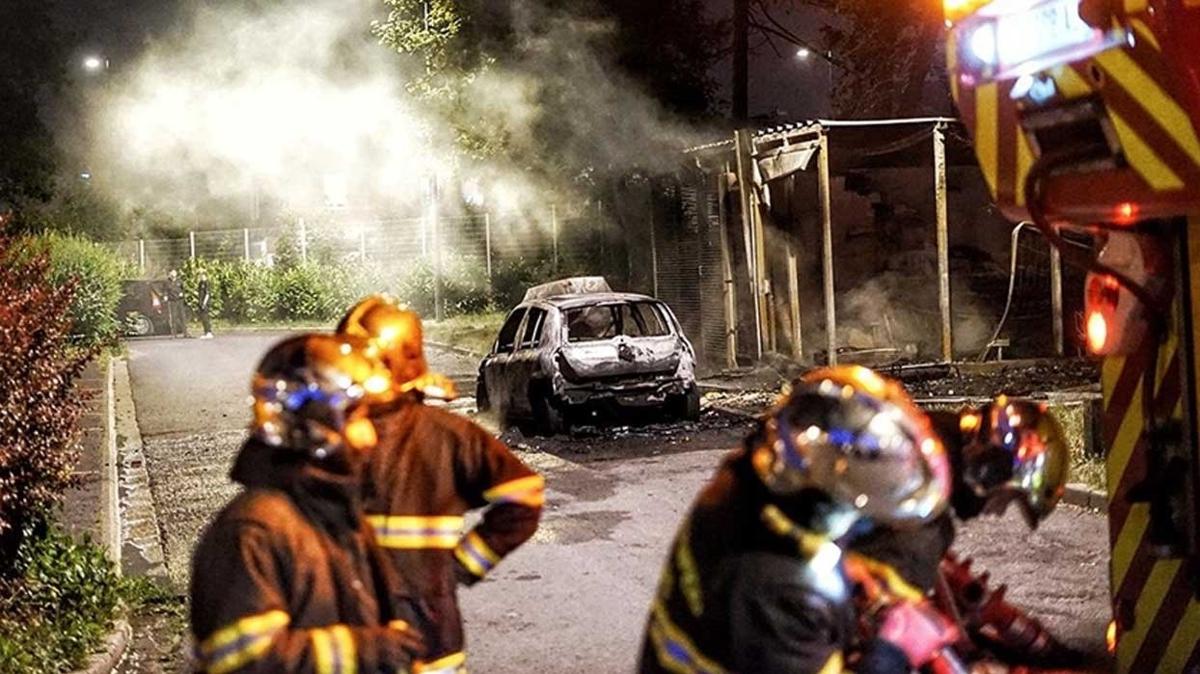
(605, 321)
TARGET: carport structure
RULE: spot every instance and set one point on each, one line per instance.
(755, 169)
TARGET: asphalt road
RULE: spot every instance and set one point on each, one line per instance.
(574, 599)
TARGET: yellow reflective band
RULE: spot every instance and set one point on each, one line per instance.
(528, 491)
(244, 641)
(334, 651)
(448, 662)
(415, 532)
(476, 555)
(833, 665)
(888, 575)
(676, 651)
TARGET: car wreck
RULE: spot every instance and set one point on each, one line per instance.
(573, 346)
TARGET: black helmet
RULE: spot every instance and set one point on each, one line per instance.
(311, 395)
(859, 439)
(1015, 451)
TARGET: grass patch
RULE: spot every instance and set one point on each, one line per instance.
(473, 332)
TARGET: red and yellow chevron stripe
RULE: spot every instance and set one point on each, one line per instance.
(1154, 599)
(1156, 131)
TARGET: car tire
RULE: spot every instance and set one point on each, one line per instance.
(138, 324)
(686, 405)
(548, 419)
(481, 396)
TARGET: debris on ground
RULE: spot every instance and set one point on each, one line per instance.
(1018, 378)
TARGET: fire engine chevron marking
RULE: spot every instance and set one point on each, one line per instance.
(1142, 157)
(1144, 33)
(1128, 541)
(1183, 643)
(1165, 111)
(987, 133)
(1148, 603)
(1173, 607)
(1127, 436)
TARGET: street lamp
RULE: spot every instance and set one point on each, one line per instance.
(93, 63)
(805, 54)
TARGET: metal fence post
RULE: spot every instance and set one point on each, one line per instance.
(303, 236)
(435, 226)
(192, 245)
(246, 243)
(487, 243)
(554, 233)
(943, 241)
(142, 255)
(653, 254)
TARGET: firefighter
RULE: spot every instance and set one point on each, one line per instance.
(1008, 452)
(755, 581)
(287, 577)
(430, 468)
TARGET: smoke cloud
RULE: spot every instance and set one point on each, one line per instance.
(297, 103)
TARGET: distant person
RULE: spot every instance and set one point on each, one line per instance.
(204, 295)
(287, 577)
(175, 305)
(432, 466)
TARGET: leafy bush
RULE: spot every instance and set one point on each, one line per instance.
(98, 272)
(511, 278)
(246, 292)
(39, 406)
(312, 292)
(58, 605)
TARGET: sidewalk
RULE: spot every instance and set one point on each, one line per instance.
(88, 507)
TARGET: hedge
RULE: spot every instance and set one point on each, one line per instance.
(249, 292)
(96, 273)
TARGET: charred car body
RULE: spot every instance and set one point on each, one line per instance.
(575, 345)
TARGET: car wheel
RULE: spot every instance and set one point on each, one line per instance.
(547, 417)
(687, 405)
(481, 396)
(138, 324)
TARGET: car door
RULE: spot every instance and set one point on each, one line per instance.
(525, 360)
(495, 368)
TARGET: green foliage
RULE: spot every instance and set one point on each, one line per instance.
(513, 277)
(39, 405)
(96, 273)
(58, 605)
(312, 292)
(75, 208)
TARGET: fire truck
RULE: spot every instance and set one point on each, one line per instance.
(1085, 116)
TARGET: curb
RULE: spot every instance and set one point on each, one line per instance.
(115, 644)
(110, 517)
(456, 349)
(141, 535)
(1083, 496)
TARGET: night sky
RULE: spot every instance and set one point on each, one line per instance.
(781, 86)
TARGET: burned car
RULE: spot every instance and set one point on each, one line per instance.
(573, 346)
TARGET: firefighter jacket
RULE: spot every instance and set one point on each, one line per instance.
(430, 467)
(736, 595)
(287, 577)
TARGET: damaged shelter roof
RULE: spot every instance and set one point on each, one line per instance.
(853, 144)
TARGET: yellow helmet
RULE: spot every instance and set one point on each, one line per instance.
(859, 439)
(394, 335)
(312, 394)
(1015, 451)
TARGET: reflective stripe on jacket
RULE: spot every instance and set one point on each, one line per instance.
(431, 467)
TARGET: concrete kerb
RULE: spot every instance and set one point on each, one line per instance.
(142, 551)
(112, 652)
(455, 349)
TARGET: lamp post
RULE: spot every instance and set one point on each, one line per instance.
(806, 55)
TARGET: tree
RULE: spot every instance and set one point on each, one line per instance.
(886, 55)
(31, 69)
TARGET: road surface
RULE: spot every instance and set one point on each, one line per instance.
(574, 599)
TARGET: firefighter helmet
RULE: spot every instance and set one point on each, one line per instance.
(1015, 451)
(857, 437)
(311, 394)
(396, 336)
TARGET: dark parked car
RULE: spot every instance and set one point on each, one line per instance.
(143, 308)
(574, 344)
